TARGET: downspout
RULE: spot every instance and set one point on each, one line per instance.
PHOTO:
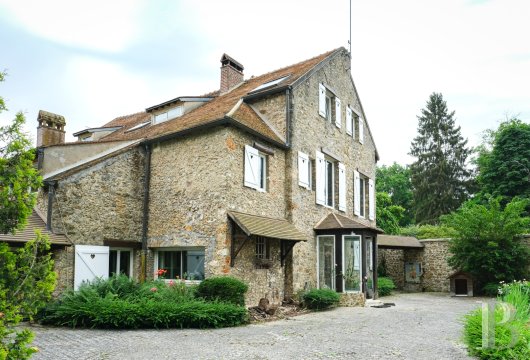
(289, 160)
(51, 193)
(289, 114)
(145, 212)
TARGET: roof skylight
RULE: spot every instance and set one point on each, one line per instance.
(270, 83)
(139, 126)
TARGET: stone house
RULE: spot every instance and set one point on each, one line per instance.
(268, 179)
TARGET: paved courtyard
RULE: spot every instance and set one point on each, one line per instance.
(420, 326)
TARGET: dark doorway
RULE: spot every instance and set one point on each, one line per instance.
(460, 286)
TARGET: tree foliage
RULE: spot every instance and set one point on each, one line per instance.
(504, 161)
(27, 281)
(395, 181)
(26, 275)
(488, 242)
(388, 215)
(18, 176)
(439, 175)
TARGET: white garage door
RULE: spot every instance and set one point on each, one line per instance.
(90, 262)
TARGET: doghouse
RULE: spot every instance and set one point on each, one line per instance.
(461, 284)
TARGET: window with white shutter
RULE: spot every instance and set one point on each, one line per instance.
(371, 200)
(338, 113)
(349, 119)
(342, 187)
(361, 130)
(356, 194)
(304, 170)
(255, 168)
(320, 171)
(322, 100)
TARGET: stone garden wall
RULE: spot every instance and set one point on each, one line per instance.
(433, 258)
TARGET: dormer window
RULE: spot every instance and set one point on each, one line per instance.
(168, 115)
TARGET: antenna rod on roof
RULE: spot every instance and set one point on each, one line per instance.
(349, 42)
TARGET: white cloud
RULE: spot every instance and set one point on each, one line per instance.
(100, 25)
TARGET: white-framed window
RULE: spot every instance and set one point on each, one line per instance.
(168, 115)
(329, 106)
(364, 196)
(325, 180)
(304, 170)
(120, 262)
(182, 263)
(255, 169)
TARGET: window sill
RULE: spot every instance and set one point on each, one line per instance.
(254, 188)
(186, 282)
(305, 187)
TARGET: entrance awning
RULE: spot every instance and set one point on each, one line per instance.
(265, 226)
(334, 221)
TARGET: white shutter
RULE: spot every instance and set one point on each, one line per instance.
(356, 194)
(371, 199)
(322, 100)
(361, 130)
(342, 187)
(303, 170)
(349, 122)
(91, 262)
(320, 170)
(338, 113)
(252, 164)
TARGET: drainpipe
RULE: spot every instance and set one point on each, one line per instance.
(289, 114)
(51, 193)
(145, 210)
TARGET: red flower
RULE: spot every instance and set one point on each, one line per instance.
(161, 272)
(154, 289)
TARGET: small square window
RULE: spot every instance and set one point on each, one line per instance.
(120, 262)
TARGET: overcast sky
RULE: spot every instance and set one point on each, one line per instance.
(92, 61)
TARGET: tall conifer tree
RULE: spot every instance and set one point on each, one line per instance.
(439, 176)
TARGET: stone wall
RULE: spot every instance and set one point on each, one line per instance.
(312, 132)
(189, 208)
(433, 257)
(394, 260)
(436, 271)
(101, 202)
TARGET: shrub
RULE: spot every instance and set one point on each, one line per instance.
(224, 289)
(385, 286)
(123, 304)
(428, 231)
(491, 289)
(319, 299)
(512, 337)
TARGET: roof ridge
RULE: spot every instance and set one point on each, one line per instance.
(293, 65)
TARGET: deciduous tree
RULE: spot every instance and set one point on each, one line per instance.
(395, 181)
(504, 161)
(488, 242)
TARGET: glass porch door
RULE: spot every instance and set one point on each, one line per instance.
(351, 263)
(326, 262)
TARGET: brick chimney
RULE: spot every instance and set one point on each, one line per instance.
(231, 73)
(51, 129)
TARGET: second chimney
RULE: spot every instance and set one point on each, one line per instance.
(231, 73)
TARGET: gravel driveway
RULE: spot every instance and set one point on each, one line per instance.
(420, 326)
